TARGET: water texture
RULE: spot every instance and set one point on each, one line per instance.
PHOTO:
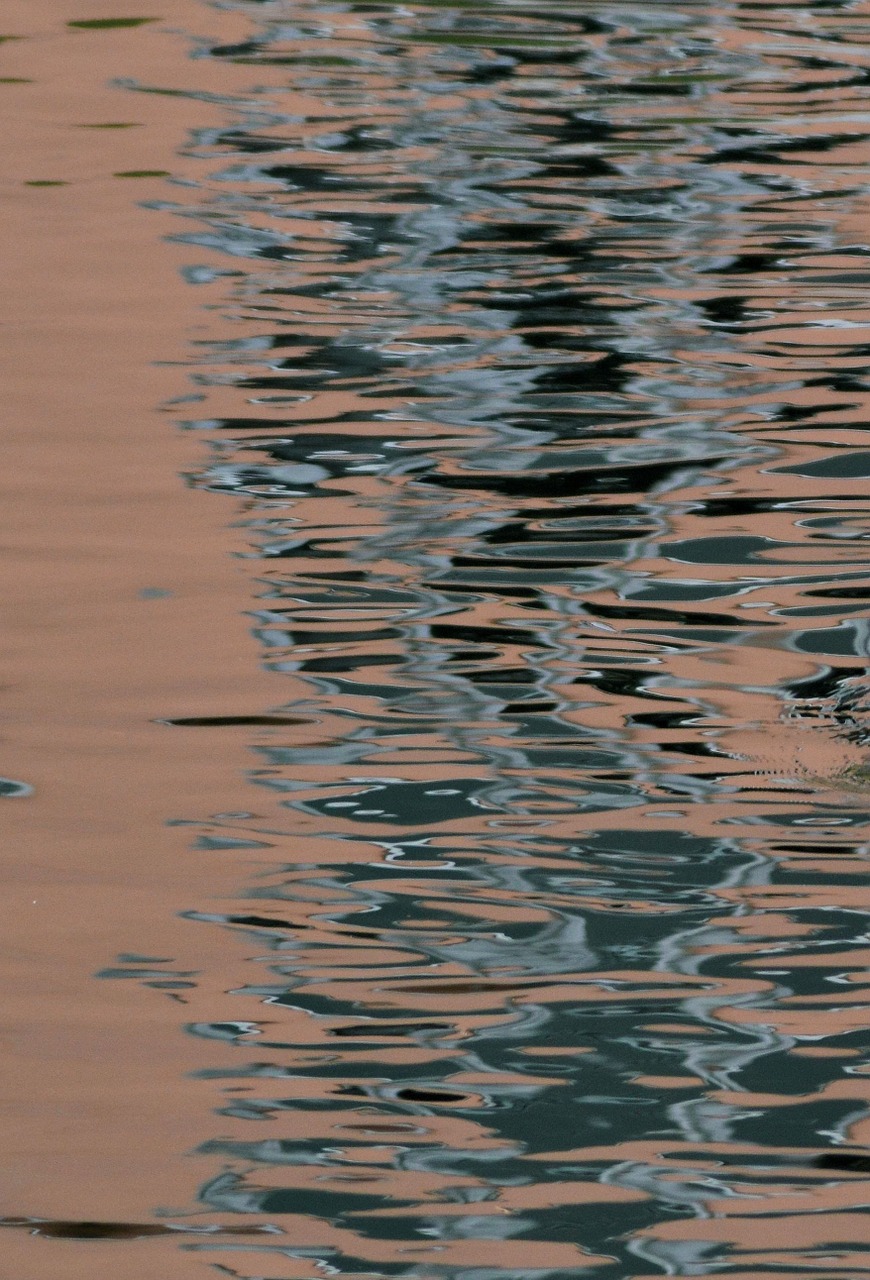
(541, 401)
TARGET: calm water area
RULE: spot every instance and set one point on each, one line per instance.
(434, 700)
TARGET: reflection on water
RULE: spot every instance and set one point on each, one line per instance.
(543, 397)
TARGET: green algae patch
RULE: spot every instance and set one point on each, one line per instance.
(111, 124)
(142, 173)
(108, 24)
(46, 182)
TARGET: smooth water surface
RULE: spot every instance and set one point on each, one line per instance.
(535, 390)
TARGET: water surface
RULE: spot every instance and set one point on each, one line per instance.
(534, 388)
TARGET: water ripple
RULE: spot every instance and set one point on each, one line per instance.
(543, 400)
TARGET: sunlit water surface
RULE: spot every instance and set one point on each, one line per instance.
(542, 398)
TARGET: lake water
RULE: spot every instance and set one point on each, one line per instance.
(435, 700)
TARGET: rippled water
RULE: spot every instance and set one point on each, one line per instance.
(540, 392)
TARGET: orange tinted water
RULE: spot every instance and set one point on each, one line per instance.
(508, 918)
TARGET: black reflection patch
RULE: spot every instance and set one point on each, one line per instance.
(697, 619)
(263, 922)
(745, 263)
(363, 660)
(389, 1029)
(528, 708)
(521, 562)
(847, 1161)
(693, 749)
(851, 464)
(717, 507)
(72, 1230)
(430, 1095)
(841, 593)
(540, 484)
(724, 310)
(219, 722)
(664, 719)
(826, 685)
(406, 803)
(483, 635)
(806, 143)
(737, 549)
(501, 676)
(252, 144)
(621, 681)
(234, 50)
(9, 787)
